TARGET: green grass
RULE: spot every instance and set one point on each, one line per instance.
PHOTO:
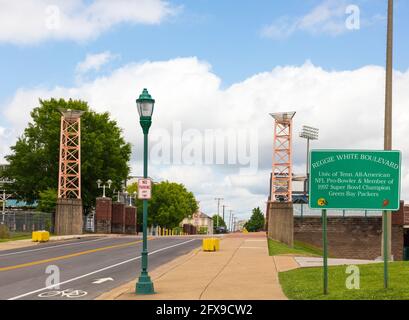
(17, 236)
(277, 248)
(307, 283)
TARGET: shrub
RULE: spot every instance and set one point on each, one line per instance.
(4, 232)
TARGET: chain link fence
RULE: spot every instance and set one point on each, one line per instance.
(27, 221)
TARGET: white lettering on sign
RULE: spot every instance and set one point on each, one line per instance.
(144, 189)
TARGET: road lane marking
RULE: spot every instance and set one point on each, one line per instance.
(72, 255)
(97, 271)
(99, 281)
(52, 247)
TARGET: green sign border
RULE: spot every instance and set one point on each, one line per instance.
(353, 150)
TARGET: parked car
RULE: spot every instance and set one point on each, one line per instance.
(220, 230)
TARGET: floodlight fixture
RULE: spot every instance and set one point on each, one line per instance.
(283, 116)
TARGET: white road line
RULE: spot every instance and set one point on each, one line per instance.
(96, 271)
(52, 247)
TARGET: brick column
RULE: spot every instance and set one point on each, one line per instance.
(103, 215)
(130, 220)
(118, 217)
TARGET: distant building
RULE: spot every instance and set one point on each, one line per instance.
(201, 221)
(240, 225)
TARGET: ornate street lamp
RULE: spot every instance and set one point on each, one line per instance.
(145, 105)
(99, 182)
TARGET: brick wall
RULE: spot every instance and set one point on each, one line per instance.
(349, 237)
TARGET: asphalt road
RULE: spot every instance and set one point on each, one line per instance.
(92, 266)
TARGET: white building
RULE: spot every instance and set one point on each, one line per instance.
(201, 221)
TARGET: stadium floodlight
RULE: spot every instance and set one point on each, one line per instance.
(309, 133)
(283, 116)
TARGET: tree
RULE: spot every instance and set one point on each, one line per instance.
(35, 156)
(222, 223)
(170, 204)
(47, 201)
(256, 222)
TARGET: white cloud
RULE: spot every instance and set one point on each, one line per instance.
(347, 107)
(93, 62)
(32, 21)
(330, 17)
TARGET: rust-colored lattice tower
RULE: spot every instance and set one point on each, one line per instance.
(281, 186)
(69, 178)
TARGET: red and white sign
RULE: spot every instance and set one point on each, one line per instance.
(144, 189)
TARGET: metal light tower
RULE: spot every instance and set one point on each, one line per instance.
(309, 133)
(69, 218)
(281, 186)
(69, 182)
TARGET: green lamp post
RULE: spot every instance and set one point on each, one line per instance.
(145, 105)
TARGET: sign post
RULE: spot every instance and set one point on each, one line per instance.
(385, 250)
(354, 180)
(325, 247)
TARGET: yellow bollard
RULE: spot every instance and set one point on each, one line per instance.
(40, 236)
(34, 236)
(211, 244)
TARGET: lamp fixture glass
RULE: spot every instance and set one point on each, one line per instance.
(145, 104)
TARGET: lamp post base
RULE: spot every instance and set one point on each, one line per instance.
(144, 285)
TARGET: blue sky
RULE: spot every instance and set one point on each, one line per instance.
(102, 51)
(227, 34)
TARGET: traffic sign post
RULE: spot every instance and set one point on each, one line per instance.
(325, 249)
(354, 180)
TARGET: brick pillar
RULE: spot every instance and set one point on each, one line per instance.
(130, 220)
(103, 215)
(281, 222)
(118, 217)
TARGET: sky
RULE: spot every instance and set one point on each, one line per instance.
(216, 69)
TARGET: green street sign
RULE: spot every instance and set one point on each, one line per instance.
(355, 180)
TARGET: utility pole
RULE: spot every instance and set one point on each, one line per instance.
(386, 248)
(218, 210)
(231, 214)
(224, 206)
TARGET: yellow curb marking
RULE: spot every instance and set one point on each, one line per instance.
(29, 264)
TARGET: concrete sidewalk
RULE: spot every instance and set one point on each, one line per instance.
(241, 270)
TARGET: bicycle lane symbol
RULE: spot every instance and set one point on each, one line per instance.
(67, 293)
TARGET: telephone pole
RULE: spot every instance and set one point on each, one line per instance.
(231, 215)
(224, 206)
(218, 210)
(388, 121)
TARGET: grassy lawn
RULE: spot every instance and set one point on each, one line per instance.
(276, 248)
(17, 236)
(307, 283)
